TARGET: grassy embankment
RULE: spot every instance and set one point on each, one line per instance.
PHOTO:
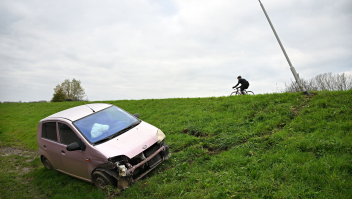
(263, 146)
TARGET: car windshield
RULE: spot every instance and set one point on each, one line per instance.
(105, 123)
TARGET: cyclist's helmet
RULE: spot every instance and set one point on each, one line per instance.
(239, 77)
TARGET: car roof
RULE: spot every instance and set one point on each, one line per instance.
(78, 112)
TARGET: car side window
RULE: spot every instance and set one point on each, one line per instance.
(67, 136)
(49, 131)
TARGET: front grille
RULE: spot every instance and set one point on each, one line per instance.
(151, 150)
(156, 159)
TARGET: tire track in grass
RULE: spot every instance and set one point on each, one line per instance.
(216, 144)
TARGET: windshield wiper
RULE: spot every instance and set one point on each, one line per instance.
(130, 127)
(125, 129)
(102, 140)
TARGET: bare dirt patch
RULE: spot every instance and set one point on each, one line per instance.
(15, 151)
(25, 170)
(19, 167)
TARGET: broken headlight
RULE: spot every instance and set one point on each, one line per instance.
(161, 136)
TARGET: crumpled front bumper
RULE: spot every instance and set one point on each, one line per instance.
(131, 170)
(153, 160)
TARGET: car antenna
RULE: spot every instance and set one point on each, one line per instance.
(90, 108)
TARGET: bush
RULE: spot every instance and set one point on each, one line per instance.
(59, 96)
(321, 82)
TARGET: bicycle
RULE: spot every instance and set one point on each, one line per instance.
(238, 92)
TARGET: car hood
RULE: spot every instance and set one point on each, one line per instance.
(130, 143)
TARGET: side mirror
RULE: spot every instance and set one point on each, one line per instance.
(73, 147)
(136, 115)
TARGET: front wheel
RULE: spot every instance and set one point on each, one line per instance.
(102, 179)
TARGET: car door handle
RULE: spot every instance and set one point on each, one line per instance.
(44, 147)
(62, 151)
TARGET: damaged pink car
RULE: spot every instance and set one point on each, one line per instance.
(101, 144)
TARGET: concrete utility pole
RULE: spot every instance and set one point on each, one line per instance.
(293, 70)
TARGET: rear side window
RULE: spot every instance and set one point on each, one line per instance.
(67, 136)
(49, 131)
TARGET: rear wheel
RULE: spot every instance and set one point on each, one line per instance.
(102, 179)
(250, 93)
(46, 163)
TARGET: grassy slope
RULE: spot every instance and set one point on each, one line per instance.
(274, 145)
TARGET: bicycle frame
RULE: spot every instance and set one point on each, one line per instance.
(238, 92)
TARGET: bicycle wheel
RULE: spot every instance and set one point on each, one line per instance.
(235, 93)
(249, 93)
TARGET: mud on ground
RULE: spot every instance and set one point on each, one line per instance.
(29, 156)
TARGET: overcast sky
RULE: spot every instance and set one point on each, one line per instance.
(141, 49)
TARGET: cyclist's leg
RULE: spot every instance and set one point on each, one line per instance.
(242, 88)
(245, 86)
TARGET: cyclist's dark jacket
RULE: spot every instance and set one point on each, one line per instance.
(243, 82)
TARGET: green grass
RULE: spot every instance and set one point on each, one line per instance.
(264, 146)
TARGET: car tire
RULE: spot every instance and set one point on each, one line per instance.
(46, 163)
(102, 179)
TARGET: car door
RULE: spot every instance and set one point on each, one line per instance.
(74, 161)
(50, 145)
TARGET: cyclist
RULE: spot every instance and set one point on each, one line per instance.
(244, 84)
